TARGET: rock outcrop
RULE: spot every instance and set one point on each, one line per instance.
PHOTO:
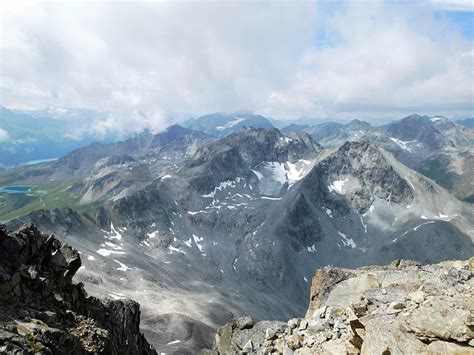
(42, 311)
(236, 155)
(402, 308)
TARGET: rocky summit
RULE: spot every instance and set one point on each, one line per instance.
(43, 312)
(401, 308)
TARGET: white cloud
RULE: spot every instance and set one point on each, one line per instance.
(149, 64)
(387, 59)
(4, 135)
(453, 5)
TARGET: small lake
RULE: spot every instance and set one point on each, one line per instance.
(39, 161)
(15, 189)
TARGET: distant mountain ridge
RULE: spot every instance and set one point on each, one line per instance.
(222, 124)
(36, 136)
(436, 147)
(466, 122)
(213, 227)
(254, 213)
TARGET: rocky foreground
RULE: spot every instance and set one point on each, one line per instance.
(402, 308)
(43, 312)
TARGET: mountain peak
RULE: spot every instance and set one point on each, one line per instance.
(357, 124)
(223, 124)
(176, 127)
(415, 116)
(367, 173)
(416, 127)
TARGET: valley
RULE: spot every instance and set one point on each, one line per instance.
(237, 177)
(199, 228)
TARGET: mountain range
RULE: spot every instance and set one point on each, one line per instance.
(230, 215)
(29, 137)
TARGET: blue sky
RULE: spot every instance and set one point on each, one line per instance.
(463, 20)
(459, 14)
(152, 63)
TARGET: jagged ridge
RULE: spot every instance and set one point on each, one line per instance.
(42, 311)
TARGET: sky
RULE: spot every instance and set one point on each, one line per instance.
(151, 63)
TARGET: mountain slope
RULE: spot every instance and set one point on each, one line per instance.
(467, 122)
(331, 134)
(100, 171)
(241, 225)
(436, 147)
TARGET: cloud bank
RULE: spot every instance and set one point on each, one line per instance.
(152, 63)
(4, 135)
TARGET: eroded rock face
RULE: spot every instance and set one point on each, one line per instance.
(402, 308)
(42, 311)
(366, 173)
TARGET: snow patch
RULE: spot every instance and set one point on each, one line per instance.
(297, 171)
(122, 267)
(328, 212)
(413, 229)
(282, 173)
(277, 171)
(347, 241)
(116, 234)
(402, 144)
(117, 296)
(230, 124)
(198, 241)
(222, 186)
(106, 252)
(192, 213)
(172, 250)
(363, 224)
(338, 186)
(153, 235)
(423, 224)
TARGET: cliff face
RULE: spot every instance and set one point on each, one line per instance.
(42, 311)
(403, 308)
